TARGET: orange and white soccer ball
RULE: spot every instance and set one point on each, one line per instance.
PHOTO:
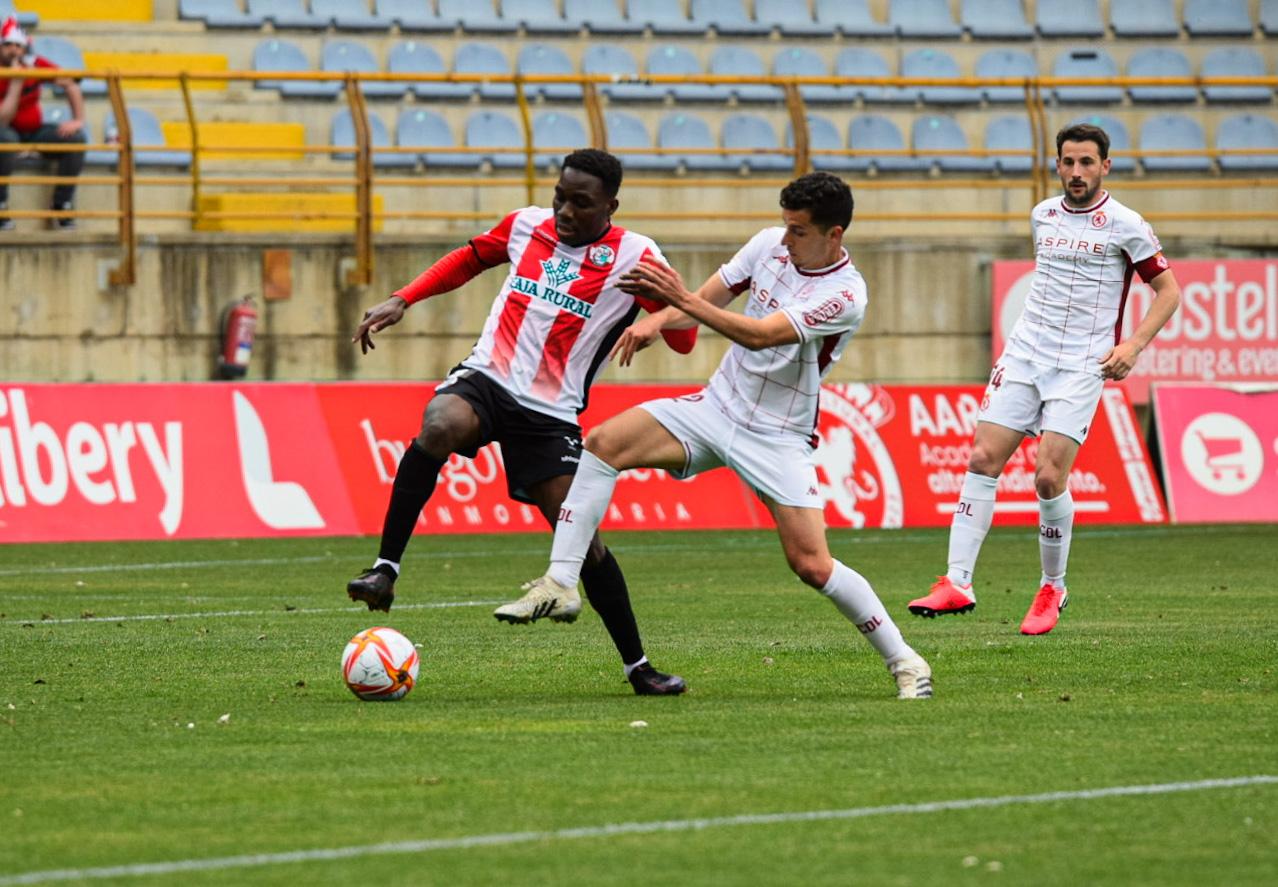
(380, 664)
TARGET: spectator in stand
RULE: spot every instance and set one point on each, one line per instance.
(22, 121)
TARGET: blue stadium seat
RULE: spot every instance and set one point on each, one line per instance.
(1160, 61)
(1144, 18)
(347, 55)
(855, 62)
(937, 132)
(1088, 62)
(423, 128)
(600, 17)
(415, 57)
(727, 17)
(872, 132)
(1005, 63)
(1251, 131)
(218, 14)
(1119, 140)
(742, 62)
(670, 60)
(146, 132)
(543, 58)
(348, 15)
(851, 18)
(662, 16)
(1069, 18)
(342, 135)
(681, 131)
(484, 58)
(824, 136)
(65, 54)
(627, 132)
(537, 17)
(476, 16)
(1218, 18)
(746, 132)
(1170, 132)
(285, 14)
(1234, 61)
(1268, 20)
(25, 19)
(280, 55)
(413, 15)
(995, 20)
(790, 18)
(1010, 133)
(796, 61)
(556, 134)
(940, 64)
(493, 129)
(923, 18)
(614, 60)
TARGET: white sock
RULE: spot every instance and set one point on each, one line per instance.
(852, 594)
(392, 564)
(971, 523)
(579, 517)
(1055, 529)
(633, 665)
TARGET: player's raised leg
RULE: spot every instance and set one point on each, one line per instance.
(1056, 454)
(448, 424)
(992, 446)
(802, 532)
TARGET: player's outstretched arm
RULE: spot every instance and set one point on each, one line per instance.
(1120, 359)
(376, 319)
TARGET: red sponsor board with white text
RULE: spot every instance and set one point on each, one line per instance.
(1220, 452)
(1226, 330)
(101, 462)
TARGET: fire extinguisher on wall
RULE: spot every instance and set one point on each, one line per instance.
(239, 322)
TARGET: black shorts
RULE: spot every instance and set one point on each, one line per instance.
(534, 447)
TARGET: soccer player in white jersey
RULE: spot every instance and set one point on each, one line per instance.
(551, 329)
(758, 414)
(1048, 380)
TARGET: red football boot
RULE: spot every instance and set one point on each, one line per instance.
(943, 598)
(1045, 610)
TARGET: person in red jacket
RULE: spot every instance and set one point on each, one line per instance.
(21, 120)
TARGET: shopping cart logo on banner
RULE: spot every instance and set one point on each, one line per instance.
(1222, 454)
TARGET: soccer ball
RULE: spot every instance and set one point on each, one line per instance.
(380, 664)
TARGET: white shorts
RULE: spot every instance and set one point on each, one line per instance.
(776, 465)
(1030, 398)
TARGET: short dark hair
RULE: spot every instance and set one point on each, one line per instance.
(1083, 132)
(600, 164)
(826, 197)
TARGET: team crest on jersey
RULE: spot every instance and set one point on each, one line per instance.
(1099, 219)
(559, 275)
(1051, 213)
(601, 256)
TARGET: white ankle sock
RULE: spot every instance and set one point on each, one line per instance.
(381, 560)
(1055, 529)
(579, 517)
(971, 523)
(633, 665)
(852, 594)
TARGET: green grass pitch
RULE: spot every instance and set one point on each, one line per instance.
(1161, 671)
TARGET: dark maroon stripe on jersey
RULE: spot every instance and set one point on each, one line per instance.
(1122, 300)
(1091, 209)
(824, 271)
(738, 289)
(824, 356)
(601, 354)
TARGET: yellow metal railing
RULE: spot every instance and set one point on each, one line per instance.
(364, 178)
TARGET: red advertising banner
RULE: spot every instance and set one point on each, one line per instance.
(1220, 452)
(101, 462)
(1226, 330)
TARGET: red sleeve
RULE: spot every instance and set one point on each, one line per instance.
(1152, 267)
(444, 276)
(491, 246)
(681, 341)
(42, 62)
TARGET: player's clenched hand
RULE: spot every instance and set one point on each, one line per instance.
(376, 319)
(656, 281)
(1119, 360)
(636, 338)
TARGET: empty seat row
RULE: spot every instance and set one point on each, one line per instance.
(984, 19)
(747, 141)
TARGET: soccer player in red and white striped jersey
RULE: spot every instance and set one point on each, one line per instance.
(1049, 377)
(551, 330)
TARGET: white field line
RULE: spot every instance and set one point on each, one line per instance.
(501, 839)
(220, 614)
(718, 545)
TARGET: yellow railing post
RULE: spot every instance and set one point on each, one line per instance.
(799, 125)
(184, 80)
(525, 118)
(594, 115)
(362, 273)
(126, 273)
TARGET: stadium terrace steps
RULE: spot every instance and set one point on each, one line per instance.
(216, 135)
(160, 62)
(271, 202)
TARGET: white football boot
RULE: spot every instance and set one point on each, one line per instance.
(543, 597)
(913, 678)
